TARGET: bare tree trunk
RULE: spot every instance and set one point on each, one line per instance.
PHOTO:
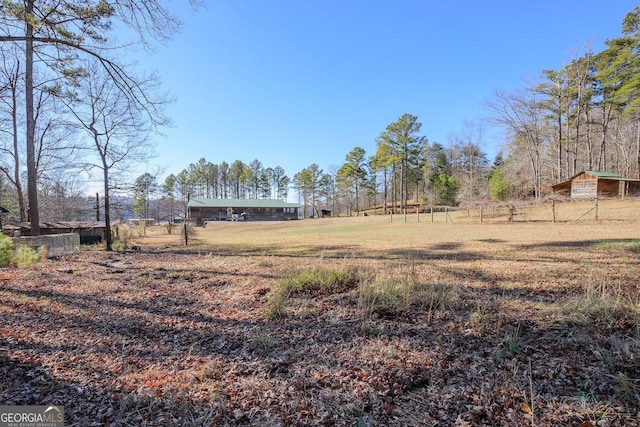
(589, 142)
(394, 189)
(638, 149)
(560, 177)
(385, 196)
(602, 160)
(16, 157)
(32, 184)
(107, 208)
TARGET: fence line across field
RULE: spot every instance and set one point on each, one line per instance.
(548, 211)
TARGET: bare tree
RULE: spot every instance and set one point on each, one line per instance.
(51, 153)
(118, 129)
(521, 115)
(468, 161)
(62, 198)
(9, 104)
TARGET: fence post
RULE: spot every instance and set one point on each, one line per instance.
(596, 209)
(481, 212)
(431, 213)
(553, 208)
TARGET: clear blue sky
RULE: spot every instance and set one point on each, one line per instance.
(296, 82)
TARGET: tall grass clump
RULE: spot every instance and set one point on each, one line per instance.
(398, 296)
(318, 281)
(604, 304)
(311, 281)
(123, 234)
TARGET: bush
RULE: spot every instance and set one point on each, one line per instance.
(25, 257)
(6, 250)
(21, 256)
(169, 226)
(123, 234)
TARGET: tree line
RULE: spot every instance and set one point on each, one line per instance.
(404, 167)
(207, 180)
(584, 116)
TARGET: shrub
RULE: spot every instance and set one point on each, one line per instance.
(21, 256)
(169, 226)
(25, 257)
(118, 246)
(123, 234)
(6, 250)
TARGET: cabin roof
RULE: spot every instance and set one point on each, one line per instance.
(241, 203)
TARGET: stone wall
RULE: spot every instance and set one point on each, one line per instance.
(57, 244)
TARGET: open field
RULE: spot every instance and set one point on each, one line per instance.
(350, 321)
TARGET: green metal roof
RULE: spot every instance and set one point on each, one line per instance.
(241, 203)
(597, 174)
(603, 174)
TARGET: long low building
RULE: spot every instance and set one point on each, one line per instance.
(202, 210)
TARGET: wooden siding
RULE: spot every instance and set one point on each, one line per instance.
(598, 184)
(584, 186)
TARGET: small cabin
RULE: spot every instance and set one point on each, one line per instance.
(592, 184)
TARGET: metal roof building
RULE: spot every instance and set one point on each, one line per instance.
(202, 210)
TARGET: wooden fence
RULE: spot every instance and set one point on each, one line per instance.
(547, 211)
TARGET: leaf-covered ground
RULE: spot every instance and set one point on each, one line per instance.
(525, 334)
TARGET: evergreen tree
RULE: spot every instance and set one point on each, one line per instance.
(354, 171)
(400, 144)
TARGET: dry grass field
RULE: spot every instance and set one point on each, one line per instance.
(339, 321)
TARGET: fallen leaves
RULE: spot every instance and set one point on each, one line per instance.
(181, 339)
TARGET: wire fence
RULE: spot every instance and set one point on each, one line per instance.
(551, 210)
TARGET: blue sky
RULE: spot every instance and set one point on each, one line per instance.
(297, 82)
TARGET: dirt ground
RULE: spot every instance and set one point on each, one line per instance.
(543, 331)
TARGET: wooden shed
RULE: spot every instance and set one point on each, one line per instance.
(591, 184)
(203, 210)
(90, 232)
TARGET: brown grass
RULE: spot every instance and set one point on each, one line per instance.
(526, 323)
